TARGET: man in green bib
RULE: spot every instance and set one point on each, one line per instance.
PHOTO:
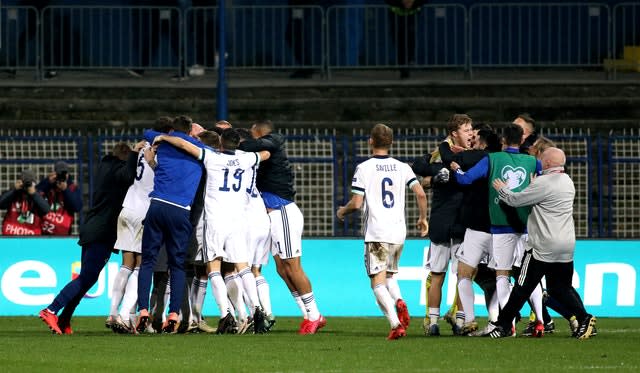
(507, 223)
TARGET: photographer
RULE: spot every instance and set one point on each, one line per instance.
(25, 208)
(64, 200)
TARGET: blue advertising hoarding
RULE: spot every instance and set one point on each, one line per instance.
(33, 270)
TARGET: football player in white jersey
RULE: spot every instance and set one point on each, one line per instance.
(124, 293)
(225, 204)
(378, 186)
(259, 241)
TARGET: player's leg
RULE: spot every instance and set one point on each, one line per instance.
(280, 268)
(130, 298)
(152, 239)
(502, 260)
(393, 259)
(263, 293)
(437, 262)
(286, 231)
(559, 285)
(532, 272)
(94, 257)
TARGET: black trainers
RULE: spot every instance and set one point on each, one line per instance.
(585, 327)
(259, 321)
(496, 331)
(528, 331)
(227, 325)
(549, 327)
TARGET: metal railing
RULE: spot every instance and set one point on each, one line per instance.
(111, 37)
(434, 37)
(523, 35)
(606, 202)
(539, 35)
(19, 37)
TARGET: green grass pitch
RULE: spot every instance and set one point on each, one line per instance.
(344, 345)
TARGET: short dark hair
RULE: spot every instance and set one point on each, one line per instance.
(478, 126)
(527, 118)
(512, 134)
(264, 124)
(182, 123)
(381, 136)
(210, 138)
(230, 139)
(457, 120)
(121, 150)
(163, 124)
(217, 130)
(244, 133)
(491, 139)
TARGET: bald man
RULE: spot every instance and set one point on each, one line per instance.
(551, 244)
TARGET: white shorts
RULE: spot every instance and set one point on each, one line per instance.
(475, 247)
(259, 238)
(521, 247)
(503, 250)
(129, 231)
(199, 232)
(439, 256)
(381, 256)
(287, 224)
(226, 240)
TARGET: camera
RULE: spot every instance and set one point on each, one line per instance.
(62, 176)
(27, 184)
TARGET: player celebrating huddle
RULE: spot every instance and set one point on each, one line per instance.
(129, 241)
(275, 182)
(379, 186)
(225, 199)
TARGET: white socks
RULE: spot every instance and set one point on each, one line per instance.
(394, 288)
(300, 303)
(235, 295)
(386, 304)
(196, 296)
(249, 285)
(434, 315)
(264, 294)
(119, 284)
(310, 306)
(219, 292)
(130, 296)
(465, 293)
(536, 302)
(503, 290)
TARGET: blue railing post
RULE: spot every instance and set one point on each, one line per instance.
(221, 99)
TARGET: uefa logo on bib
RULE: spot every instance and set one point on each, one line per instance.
(514, 177)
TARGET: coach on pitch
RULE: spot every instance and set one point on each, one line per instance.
(551, 244)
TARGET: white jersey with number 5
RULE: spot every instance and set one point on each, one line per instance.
(383, 181)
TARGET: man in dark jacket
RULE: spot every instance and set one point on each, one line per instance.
(113, 177)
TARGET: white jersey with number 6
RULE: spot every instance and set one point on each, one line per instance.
(383, 181)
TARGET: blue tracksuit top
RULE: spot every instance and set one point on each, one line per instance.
(178, 173)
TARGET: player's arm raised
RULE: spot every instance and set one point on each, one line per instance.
(179, 143)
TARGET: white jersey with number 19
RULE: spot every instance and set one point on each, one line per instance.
(383, 181)
(226, 196)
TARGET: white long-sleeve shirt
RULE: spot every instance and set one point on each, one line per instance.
(550, 225)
